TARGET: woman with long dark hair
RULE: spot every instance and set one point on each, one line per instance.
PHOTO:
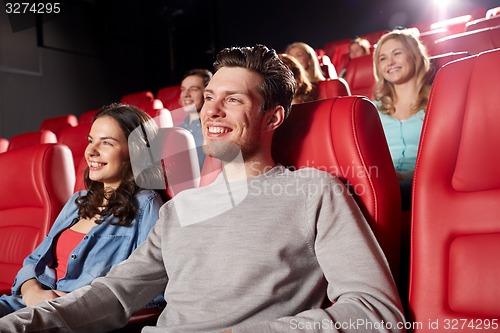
(99, 227)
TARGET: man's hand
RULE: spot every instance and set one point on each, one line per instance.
(33, 293)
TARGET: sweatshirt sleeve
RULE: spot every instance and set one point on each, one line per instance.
(361, 289)
(104, 305)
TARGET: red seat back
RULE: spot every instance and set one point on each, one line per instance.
(454, 25)
(170, 96)
(76, 138)
(440, 60)
(172, 150)
(360, 76)
(337, 50)
(87, 117)
(137, 98)
(332, 88)
(428, 38)
(36, 183)
(474, 41)
(483, 23)
(32, 139)
(456, 213)
(57, 124)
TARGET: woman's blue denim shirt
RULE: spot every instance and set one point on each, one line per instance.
(103, 247)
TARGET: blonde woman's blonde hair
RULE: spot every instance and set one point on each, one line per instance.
(314, 72)
(383, 90)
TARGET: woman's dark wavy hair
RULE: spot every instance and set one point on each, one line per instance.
(119, 202)
(278, 86)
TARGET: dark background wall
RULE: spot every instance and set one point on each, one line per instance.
(95, 51)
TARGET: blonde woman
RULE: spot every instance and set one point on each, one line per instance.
(401, 93)
(307, 57)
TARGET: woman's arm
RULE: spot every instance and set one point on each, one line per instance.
(33, 293)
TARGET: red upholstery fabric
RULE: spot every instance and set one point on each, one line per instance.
(80, 173)
(440, 60)
(137, 98)
(32, 139)
(36, 183)
(4, 145)
(170, 96)
(344, 136)
(428, 38)
(332, 88)
(57, 124)
(483, 23)
(76, 138)
(176, 149)
(87, 117)
(454, 25)
(454, 269)
(336, 51)
(374, 36)
(360, 76)
(474, 42)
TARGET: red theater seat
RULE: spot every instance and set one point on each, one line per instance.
(456, 213)
(454, 25)
(170, 96)
(374, 36)
(483, 23)
(344, 136)
(360, 76)
(174, 149)
(337, 51)
(87, 117)
(332, 88)
(428, 38)
(31, 139)
(474, 41)
(137, 98)
(57, 124)
(440, 60)
(36, 183)
(76, 138)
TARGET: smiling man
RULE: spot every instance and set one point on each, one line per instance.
(193, 84)
(262, 263)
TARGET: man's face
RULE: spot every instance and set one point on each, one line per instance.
(192, 92)
(230, 116)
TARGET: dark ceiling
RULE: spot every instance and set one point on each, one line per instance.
(163, 38)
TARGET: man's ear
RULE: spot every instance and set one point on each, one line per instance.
(274, 118)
